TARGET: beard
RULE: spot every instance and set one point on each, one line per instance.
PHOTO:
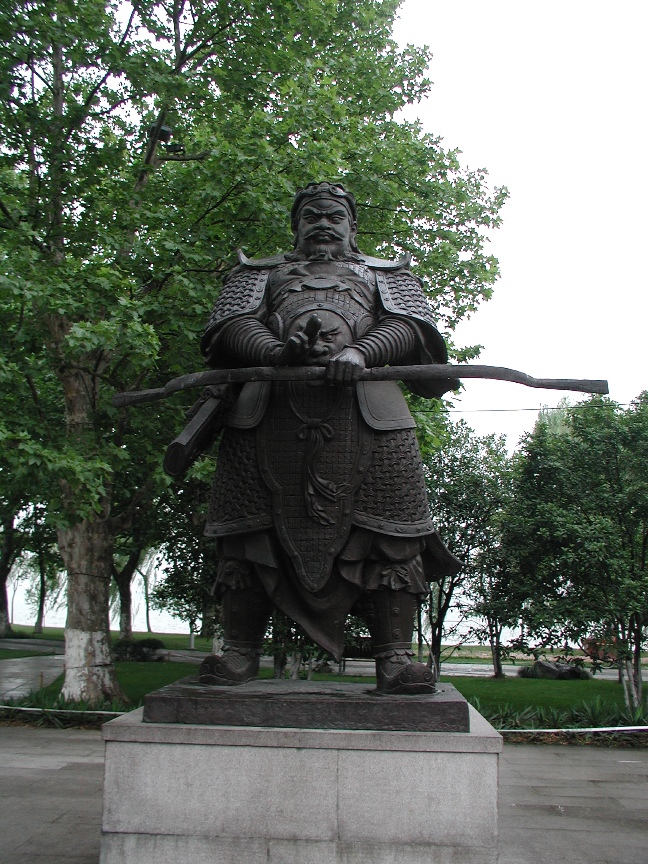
(324, 250)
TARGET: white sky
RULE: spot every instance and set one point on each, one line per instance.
(550, 98)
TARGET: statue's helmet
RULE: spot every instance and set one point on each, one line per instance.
(318, 191)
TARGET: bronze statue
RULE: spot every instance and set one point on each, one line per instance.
(319, 502)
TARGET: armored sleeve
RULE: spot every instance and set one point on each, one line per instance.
(401, 295)
(245, 340)
(392, 341)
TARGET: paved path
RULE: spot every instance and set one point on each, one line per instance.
(20, 676)
(47, 646)
(573, 805)
(558, 805)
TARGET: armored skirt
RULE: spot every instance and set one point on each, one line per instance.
(322, 500)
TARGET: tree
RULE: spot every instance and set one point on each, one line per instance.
(44, 560)
(188, 558)
(578, 533)
(467, 489)
(492, 594)
(114, 237)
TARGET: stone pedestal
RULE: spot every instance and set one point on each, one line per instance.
(307, 705)
(196, 794)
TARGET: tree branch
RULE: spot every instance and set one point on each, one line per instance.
(192, 157)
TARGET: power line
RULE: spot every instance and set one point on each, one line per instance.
(517, 410)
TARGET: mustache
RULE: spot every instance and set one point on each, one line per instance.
(324, 232)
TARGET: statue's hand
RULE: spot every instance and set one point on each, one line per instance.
(346, 367)
(300, 343)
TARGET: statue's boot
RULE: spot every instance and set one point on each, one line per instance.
(390, 618)
(246, 613)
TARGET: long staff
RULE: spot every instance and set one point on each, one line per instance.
(382, 373)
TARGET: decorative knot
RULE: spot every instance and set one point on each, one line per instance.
(314, 425)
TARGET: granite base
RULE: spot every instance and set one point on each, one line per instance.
(178, 793)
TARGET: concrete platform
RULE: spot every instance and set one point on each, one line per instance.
(572, 805)
(226, 795)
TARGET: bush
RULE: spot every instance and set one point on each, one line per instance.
(554, 671)
(141, 651)
(591, 714)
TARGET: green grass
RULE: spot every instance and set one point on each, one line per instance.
(174, 641)
(521, 693)
(9, 654)
(26, 631)
(137, 679)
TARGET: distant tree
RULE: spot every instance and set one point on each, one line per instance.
(45, 561)
(491, 597)
(467, 478)
(187, 559)
(578, 532)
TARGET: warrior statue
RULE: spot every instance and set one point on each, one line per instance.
(319, 502)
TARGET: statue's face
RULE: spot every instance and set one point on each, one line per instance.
(334, 335)
(324, 229)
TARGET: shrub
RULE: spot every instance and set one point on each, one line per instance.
(142, 650)
(554, 671)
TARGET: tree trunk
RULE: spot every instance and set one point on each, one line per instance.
(633, 683)
(7, 558)
(5, 624)
(419, 629)
(279, 666)
(147, 600)
(42, 592)
(86, 550)
(436, 631)
(207, 617)
(124, 580)
(294, 665)
(125, 612)
(495, 637)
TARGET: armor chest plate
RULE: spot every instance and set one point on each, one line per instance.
(345, 288)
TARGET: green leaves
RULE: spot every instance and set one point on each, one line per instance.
(578, 534)
(112, 255)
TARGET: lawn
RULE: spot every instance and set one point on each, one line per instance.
(521, 693)
(477, 654)
(174, 641)
(10, 654)
(137, 679)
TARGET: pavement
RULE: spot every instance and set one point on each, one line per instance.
(19, 677)
(23, 675)
(558, 804)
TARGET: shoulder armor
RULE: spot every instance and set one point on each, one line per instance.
(368, 260)
(241, 294)
(401, 294)
(384, 264)
(260, 263)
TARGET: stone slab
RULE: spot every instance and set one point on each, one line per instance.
(143, 849)
(307, 705)
(223, 795)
